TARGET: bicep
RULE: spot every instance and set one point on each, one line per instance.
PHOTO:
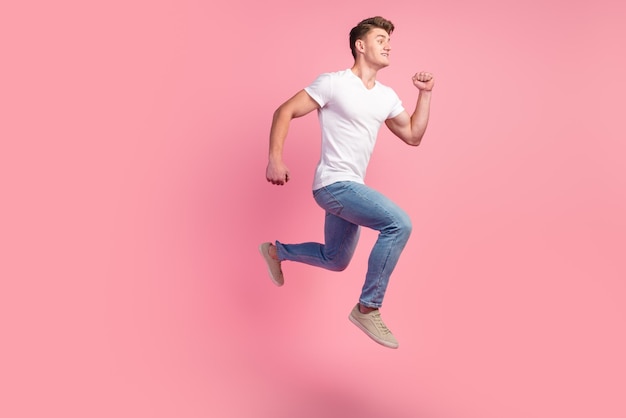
(299, 105)
(400, 125)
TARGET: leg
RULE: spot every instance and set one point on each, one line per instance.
(365, 206)
(340, 240)
(361, 205)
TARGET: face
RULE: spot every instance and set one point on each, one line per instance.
(376, 47)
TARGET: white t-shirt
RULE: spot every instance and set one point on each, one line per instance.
(350, 116)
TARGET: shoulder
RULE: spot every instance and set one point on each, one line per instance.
(323, 88)
(334, 75)
(326, 81)
(324, 78)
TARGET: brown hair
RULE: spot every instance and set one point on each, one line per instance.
(360, 30)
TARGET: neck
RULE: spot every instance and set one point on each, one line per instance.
(366, 73)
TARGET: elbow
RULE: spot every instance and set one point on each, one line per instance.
(414, 141)
(283, 112)
(278, 112)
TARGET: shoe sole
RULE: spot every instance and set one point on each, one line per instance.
(369, 334)
(267, 259)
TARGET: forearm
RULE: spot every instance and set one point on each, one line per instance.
(278, 134)
(277, 172)
(419, 118)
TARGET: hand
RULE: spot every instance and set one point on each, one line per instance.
(277, 173)
(424, 81)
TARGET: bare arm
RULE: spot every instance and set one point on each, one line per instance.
(411, 129)
(299, 105)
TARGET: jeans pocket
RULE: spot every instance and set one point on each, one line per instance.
(327, 201)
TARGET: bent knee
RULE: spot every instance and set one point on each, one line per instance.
(338, 265)
(403, 226)
(408, 227)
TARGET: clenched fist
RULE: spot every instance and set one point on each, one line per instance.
(424, 81)
(277, 173)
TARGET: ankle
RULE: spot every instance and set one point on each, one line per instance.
(366, 309)
(273, 251)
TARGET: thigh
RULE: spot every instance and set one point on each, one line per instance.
(339, 233)
(361, 205)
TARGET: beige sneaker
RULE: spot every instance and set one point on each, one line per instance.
(372, 324)
(273, 266)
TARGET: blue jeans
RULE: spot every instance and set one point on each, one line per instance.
(349, 206)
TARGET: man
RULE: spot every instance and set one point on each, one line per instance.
(352, 106)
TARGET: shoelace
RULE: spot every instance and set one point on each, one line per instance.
(378, 321)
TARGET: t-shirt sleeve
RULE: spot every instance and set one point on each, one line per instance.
(321, 89)
(396, 107)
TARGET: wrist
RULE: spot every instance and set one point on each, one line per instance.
(275, 158)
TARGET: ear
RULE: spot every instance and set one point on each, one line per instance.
(360, 45)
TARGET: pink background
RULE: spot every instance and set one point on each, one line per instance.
(134, 141)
